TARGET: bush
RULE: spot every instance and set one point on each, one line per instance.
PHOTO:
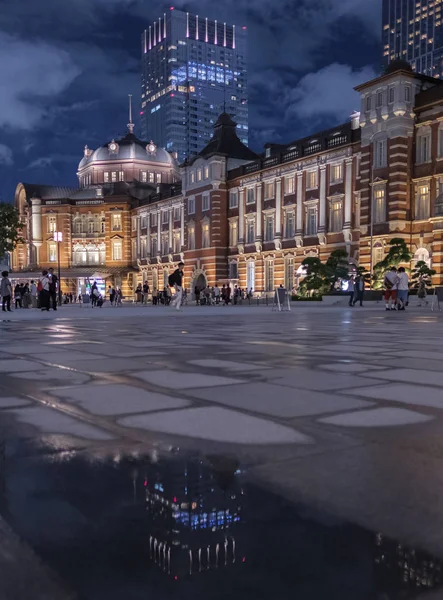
(313, 298)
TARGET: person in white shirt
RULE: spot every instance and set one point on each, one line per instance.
(33, 292)
(45, 296)
(403, 288)
(391, 286)
(217, 294)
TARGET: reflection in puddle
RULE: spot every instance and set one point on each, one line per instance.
(135, 527)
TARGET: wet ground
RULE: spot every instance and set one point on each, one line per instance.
(241, 454)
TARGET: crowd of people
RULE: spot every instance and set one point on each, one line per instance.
(396, 286)
(211, 296)
(38, 293)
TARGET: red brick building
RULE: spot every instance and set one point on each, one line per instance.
(237, 217)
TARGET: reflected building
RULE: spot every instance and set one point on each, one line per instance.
(192, 519)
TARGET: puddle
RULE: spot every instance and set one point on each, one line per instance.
(139, 527)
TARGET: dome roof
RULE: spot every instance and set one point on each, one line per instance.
(398, 65)
(128, 147)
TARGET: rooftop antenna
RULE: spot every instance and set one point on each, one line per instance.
(130, 124)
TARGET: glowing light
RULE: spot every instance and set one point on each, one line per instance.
(171, 7)
(196, 27)
(145, 483)
(244, 27)
(175, 499)
(215, 37)
(243, 559)
(141, 112)
(175, 578)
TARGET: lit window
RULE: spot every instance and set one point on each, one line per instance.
(121, 176)
(206, 242)
(233, 200)
(177, 242)
(52, 252)
(289, 185)
(206, 172)
(250, 275)
(114, 176)
(250, 198)
(116, 222)
(158, 177)
(151, 178)
(336, 218)
(422, 206)
(52, 224)
(116, 250)
(289, 273)
(269, 275)
(379, 205)
(144, 177)
(233, 233)
(199, 174)
(192, 176)
(269, 190)
(311, 180)
(336, 173)
(191, 238)
(191, 206)
(105, 177)
(205, 202)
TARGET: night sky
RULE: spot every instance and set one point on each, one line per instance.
(66, 69)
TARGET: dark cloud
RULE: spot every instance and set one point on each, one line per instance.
(70, 67)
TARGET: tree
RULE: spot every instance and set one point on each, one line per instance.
(315, 276)
(398, 253)
(337, 267)
(422, 278)
(10, 226)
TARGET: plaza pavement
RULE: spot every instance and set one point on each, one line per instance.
(337, 408)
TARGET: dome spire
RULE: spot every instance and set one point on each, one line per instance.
(130, 124)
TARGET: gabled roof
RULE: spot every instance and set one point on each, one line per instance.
(226, 142)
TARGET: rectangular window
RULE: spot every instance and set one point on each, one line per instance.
(121, 175)
(199, 174)
(143, 247)
(422, 207)
(233, 200)
(165, 245)
(191, 238)
(380, 157)
(269, 190)
(391, 95)
(368, 103)
(311, 180)
(250, 275)
(269, 276)
(206, 172)
(289, 185)
(233, 233)
(289, 225)
(134, 250)
(233, 270)
(154, 246)
(52, 252)
(206, 242)
(269, 228)
(154, 219)
(177, 242)
(144, 221)
(144, 177)
(311, 221)
(407, 93)
(336, 173)
(191, 206)
(250, 231)
(105, 177)
(192, 177)
(379, 205)
(52, 224)
(379, 99)
(91, 226)
(165, 217)
(177, 213)
(336, 216)
(151, 177)
(423, 148)
(158, 177)
(250, 197)
(440, 142)
(114, 176)
(205, 202)
(116, 222)
(134, 223)
(116, 250)
(289, 273)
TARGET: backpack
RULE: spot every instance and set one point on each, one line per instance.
(172, 279)
(39, 286)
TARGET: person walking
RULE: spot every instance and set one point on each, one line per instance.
(228, 295)
(359, 290)
(17, 296)
(391, 285)
(403, 288)
(93, 296)
(53, 287)
(176, 281)
(217, 294)
(33, 292)
(45, 295)
(351, 290)
(6, 292)
(145, 292)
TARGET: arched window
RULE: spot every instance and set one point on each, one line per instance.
(250, 275)
(422, 255)
(378, 253)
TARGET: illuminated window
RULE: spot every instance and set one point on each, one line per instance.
(144, 177)
(116, 250)
(311, 180)
(269, 275)
(289, 185)
(336, 173)
(206, 242)
(422, 203)
(250, 197)
(191, 238)
(336, 216)
(191, 206)
(105, 177)
(158, 177)
(233, 233)
(289, 273)
(52, 252)
(233, 200)
(116, 222)
(206, 172)
(151, 177)
(192, 176)
(121, 176)
(52, 224)
(114, 176)
(250, 275)
(177, 242)
(199, 174)
(379, 205)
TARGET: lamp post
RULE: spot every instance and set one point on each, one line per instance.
(58, 237)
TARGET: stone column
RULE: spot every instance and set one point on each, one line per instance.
(241, 215)
(37, 239)
(322, 215)
(348, 201)
(259, 218)
(159, 232)
(277, 234)
(299, 224)
(148, 236)
(182, 227)
(138, 237)
(170, 231)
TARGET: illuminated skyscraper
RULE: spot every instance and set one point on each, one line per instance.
(413, 31)
(192, 70)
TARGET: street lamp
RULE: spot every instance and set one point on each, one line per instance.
(58, 237)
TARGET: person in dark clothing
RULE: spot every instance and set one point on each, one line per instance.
(93, 295)
(228, 295)
(176, 281)
(18, 296)
(359, 290)
(44, 291)
(5, 291)
(197, 295)
(53, 287)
